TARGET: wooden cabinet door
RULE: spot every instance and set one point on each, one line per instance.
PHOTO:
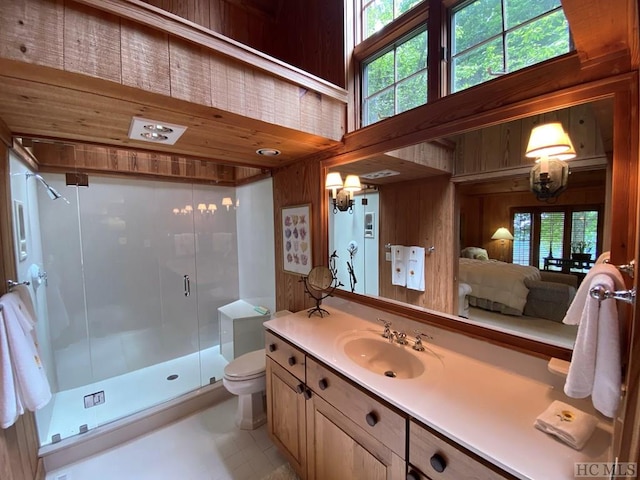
(286, 415)
(338, 448)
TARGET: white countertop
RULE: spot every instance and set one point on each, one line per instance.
(483, 406)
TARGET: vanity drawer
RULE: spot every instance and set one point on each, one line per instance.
(440, 460)
(375, 418)
(289, 357)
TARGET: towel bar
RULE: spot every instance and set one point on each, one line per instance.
(11, 284)
(427, 250)
(600, 293)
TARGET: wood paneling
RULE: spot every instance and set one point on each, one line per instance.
(145, 56)
(420, 213)
(92, 42)
(190, 72)
(32, 32)
(296, 185)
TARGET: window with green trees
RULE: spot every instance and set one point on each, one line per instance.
(395, 80)
(378, 13)
(494, 37)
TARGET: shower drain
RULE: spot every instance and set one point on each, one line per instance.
(172, 377)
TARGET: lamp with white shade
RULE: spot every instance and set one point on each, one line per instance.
(503, 235)
(342, 200)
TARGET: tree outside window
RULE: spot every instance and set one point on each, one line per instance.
(376, 14)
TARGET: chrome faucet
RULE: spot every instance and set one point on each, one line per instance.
(417, 345)
(401, 338)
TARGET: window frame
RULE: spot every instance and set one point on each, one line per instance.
(568, 210)
(457, 6)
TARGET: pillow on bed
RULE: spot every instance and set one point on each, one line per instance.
(475, 252)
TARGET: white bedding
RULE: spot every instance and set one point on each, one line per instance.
(497, 281)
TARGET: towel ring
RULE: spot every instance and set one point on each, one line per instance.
(600, 293)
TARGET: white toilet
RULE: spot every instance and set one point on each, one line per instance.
(245, 376)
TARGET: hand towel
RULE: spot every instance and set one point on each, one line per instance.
(25, 296)
(8, 394)
(415, 268)
(398, 270)
(574, 312)
(574, 427)
(595, 367)
(604, 257)
(31, 382)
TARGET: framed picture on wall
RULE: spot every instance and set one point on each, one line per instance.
(296, 239)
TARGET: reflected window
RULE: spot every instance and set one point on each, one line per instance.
(493, 37)
(394, 80)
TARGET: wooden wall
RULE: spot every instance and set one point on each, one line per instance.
(420, 213)
(296, 185)
(278, 28)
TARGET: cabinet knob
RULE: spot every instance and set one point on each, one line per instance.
(438, 462)
(323, 384)
(307, 394)
(292, 361)
(300, 388)
(372, 419)
(413, 475)
(272, 347)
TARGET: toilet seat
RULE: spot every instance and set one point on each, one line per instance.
(245, 367)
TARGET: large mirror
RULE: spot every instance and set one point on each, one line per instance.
(428, 227)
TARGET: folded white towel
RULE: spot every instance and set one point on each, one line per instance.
(398, 270)
(31, 382)
(574, 427)
(415, 268)
(595, 367)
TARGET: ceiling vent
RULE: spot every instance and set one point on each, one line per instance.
(379, 174)
(155, 131)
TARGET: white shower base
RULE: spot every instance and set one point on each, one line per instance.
(127, 394)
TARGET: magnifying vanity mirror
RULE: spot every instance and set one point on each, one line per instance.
(450, 195)
(321, 283)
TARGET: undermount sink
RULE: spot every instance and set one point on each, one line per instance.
(378, 355)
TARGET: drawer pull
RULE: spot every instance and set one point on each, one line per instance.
(372, 419)
(300, 388)
(272, 347)
(438, 462)
(413, 475)
(292, 361)
(307, 394)
(323, 384)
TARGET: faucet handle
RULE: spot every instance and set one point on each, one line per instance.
(387, 329)
(418, 342)
(401, 338)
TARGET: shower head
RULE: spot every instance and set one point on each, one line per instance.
(52, 192)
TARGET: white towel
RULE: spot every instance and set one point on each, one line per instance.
(30, 379)
(415, 268)
(10, 407)
(398, 270)
(574, 427)
(595, 367)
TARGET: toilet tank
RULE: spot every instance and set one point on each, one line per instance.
(241, 329)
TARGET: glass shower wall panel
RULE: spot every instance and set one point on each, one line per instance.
(215, 210)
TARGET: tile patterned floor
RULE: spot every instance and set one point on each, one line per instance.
(204, 446)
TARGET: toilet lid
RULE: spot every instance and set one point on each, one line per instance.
(251, 363)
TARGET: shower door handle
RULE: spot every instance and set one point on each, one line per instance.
(187, 286)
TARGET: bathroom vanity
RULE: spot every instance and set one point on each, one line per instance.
(344, 402)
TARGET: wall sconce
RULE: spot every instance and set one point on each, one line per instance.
(188, 208)
(176, 211)
(212, 208)
(227, 202)
(202, 208)
(503, 235)
(343, 199)
(551, 146)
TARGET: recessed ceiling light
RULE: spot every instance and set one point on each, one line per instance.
(158, 137)
(155, 131)
(268, 152)
(158, 128)
(379, 174)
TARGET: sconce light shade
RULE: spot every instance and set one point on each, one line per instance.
(333, 182)
(549, 178)
(502, 234)
(227, 202)
(176, 211)
(188, 208)
(352, 184)
(202, 207)
(212, 207)
(548, 140)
